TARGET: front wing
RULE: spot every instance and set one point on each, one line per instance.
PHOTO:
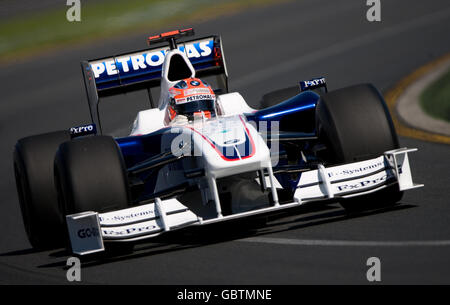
(89, 230)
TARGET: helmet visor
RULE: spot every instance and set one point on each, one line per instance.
(188, 109)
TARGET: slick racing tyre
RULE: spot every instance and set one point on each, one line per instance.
(90, 175)
(33, 168)
(355, 124)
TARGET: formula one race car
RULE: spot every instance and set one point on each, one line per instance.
(201, 155)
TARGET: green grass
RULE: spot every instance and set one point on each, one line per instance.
(28, 34)
(435, 100)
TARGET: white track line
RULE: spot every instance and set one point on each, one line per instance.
(346, 243)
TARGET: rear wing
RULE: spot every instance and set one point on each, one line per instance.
(142, 70)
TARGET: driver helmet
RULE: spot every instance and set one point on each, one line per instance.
(190, 97)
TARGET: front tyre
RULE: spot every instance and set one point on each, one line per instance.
(33, 169)
(356, 125)
(91, 175)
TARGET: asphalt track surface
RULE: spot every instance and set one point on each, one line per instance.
(266, 48)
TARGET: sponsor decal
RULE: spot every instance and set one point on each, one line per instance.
(197, 91)
(180, 100)
(359, 170)
(124, 218)
(199, 97)
(83, 130)
(88, 232)
(195, 83)
(362, 184)
(313, 83)
(129, 231)
(132, 65)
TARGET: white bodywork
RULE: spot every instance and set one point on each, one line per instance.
(229, 131)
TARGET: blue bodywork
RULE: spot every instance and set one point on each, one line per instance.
(294, 115)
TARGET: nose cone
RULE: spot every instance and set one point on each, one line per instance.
(230, 146)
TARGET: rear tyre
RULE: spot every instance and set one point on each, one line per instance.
(33, 169)
(91, 175)
(356, 125)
